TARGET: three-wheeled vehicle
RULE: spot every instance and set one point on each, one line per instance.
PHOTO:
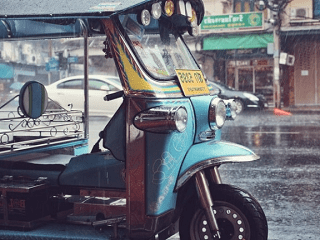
(158, 171)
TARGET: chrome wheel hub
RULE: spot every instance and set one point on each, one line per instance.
(232, 224)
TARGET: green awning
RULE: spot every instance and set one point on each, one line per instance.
(237, 41)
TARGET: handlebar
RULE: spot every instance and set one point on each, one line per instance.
(113, 96)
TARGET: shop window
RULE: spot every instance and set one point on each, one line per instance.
(316, 8)
(244, 6)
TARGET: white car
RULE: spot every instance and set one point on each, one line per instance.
(69, 92)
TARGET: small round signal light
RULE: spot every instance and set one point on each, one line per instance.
(156, 10)
(169, 8)
(145, 17)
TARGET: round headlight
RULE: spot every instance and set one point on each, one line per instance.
(145, 17)
(156, 10)
(181, 119)
(217, 113)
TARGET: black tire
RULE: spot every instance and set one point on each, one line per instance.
(239, 105)
(238, 214)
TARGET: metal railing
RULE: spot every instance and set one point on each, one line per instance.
(56, 125)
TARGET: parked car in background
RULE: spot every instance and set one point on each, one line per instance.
(243, 100)
(69, 92)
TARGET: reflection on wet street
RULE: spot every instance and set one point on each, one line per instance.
(286, 178)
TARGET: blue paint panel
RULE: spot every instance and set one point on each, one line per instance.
(94, 170)
(165, 153)
(213, 149)
(81, 150)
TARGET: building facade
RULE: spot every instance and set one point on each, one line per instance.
(237, 42)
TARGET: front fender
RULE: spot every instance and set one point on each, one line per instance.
(207, 154)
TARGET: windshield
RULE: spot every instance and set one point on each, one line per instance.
(162, 53)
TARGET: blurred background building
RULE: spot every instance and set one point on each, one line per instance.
(236, 46)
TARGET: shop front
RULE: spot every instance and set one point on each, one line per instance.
(303, 78)
(251, 75)
(243, 62)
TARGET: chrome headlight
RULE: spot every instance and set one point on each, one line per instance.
(181, 118)
(162, 119)
(156, 10)
(217, 113)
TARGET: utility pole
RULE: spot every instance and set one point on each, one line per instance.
(276, 64)
(276, 7)
(50, 56)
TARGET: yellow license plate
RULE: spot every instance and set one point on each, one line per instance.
(192, 82)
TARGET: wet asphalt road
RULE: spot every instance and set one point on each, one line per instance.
(286, 179)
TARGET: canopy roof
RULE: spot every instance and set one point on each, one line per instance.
(13, 9)
(62, 18)
(55, 18)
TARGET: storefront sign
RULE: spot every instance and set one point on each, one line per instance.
(232, 21)
(243, 63)
(52, 65)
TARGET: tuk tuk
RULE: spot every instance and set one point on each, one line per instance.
(155, 169)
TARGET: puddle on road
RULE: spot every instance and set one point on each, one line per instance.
(270, 136)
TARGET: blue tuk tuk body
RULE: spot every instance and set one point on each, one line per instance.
(160, 146)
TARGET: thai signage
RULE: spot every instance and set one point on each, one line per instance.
(233, 21)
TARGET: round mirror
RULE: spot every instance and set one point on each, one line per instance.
(33, 99)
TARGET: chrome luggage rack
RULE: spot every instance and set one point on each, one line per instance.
(56, 125)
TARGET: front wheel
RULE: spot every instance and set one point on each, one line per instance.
(238, 214)
(239, 106)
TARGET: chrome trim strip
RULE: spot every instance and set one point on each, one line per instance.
(212, 162)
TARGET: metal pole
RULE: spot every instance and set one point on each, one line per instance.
(85, 34)
(276, 67)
